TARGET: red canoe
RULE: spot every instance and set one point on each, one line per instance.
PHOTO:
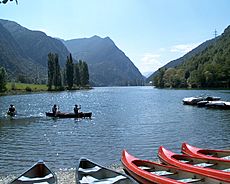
(149, 172)
(205, 153)
(208, 167)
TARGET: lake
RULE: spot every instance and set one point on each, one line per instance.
(138, 119)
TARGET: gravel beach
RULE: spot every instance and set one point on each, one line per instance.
(63, 177)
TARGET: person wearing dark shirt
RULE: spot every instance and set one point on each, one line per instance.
(11, 110)
(54, 109)
(76, 109)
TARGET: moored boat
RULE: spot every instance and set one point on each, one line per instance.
(196, 100)
(205, 153)
(209, 167)
(192, 100)
(218, 104)
(70, 115)
(89, 172)
(149, 172)
(38, 173)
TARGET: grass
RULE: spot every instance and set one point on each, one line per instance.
(25, 87)
(13, 88)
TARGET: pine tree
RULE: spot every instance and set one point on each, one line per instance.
(85, 74)
(57, 73)
(54, 72)
(69, 71)
(76, 75)
(50, 70)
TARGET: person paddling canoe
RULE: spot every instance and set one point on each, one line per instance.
(76, 109)
(55, 109)
(11, 110)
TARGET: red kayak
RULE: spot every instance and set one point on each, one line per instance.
(208, 167)
(205, 153)
(149, 172)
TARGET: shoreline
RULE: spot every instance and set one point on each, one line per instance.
(25, 92)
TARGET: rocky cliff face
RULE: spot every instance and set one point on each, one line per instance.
(108, 65)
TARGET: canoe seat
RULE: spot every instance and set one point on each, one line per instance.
(158, 173)
(190, 180)
(163, 173)
(88, 170)
(145, 168)
(226, 170)
(25, 179)
(204, 164)
(226, 157)
(186, 161)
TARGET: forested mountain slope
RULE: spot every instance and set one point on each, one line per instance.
(209, 68)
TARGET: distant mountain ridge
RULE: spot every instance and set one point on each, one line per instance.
(108, 65)
(25, 52)
(13, 58)
(189, 55)
(208, 68)
(36, 44)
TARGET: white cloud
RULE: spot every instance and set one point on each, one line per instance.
(149, 63)
(183, 48)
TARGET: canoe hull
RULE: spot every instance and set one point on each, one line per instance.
(208, 167)
(38, 173)
(205, 153)
(149, 172)
(70, 115)
(88, 171)
(133, 166)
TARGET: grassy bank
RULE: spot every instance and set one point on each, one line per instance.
(22, 88)
(26, 87)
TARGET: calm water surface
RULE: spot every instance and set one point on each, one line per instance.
(138, 119)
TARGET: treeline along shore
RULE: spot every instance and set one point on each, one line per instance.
(74, 76)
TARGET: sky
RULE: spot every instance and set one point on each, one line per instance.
(150, 32)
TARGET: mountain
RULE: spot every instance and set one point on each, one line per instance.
(36, 44)
(209, 68)
(177, 62)
(108, 65)
(25, 53)
(13, 58)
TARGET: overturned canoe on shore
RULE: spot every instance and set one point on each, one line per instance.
(205, 153)
(149, 172)
(214, 168)
(91, 172)
(70, 115)
(38, 173)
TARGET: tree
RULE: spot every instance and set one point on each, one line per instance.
(69, 71)
(57, 73)
(54, 72)
(50, 70)
(85, 74)
(3, 79)
(76, 78)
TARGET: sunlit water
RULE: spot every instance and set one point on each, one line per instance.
(138, 119)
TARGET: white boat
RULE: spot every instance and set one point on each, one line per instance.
(195, 100)
(218, 104)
